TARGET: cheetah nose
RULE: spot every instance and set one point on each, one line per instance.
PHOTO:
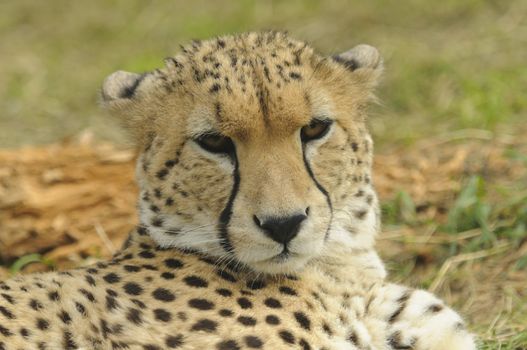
(281, 229)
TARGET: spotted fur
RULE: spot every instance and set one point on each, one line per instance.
(268, 244)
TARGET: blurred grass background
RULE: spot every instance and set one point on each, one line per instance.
(450, 65)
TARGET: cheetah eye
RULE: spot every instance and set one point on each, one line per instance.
(315, 130)
(215, 143)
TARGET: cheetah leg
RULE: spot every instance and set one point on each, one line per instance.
(418, 320)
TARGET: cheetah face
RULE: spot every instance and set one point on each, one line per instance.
(253, 149)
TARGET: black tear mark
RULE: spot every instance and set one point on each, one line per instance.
(129, 91)
(349, 64)
(226, 214)
(320, 188)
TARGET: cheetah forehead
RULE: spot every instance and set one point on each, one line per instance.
(249, 82)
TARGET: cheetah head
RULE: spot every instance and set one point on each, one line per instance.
(254, 149)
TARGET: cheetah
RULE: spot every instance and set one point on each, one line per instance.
(258, 216)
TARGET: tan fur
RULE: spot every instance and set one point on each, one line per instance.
(201, 272)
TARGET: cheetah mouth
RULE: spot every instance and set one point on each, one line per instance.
(285, 255)
(283, 258)
(281, 264)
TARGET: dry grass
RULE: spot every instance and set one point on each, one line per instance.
(455, 224)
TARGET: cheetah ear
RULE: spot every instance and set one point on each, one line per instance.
(121, 96)
(120, 85)
(360, 57)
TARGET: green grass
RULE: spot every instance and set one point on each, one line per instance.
(516, 342)
(450, 65)
(497, 214)
(503, 217)
(472, 210)
(28, 259)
